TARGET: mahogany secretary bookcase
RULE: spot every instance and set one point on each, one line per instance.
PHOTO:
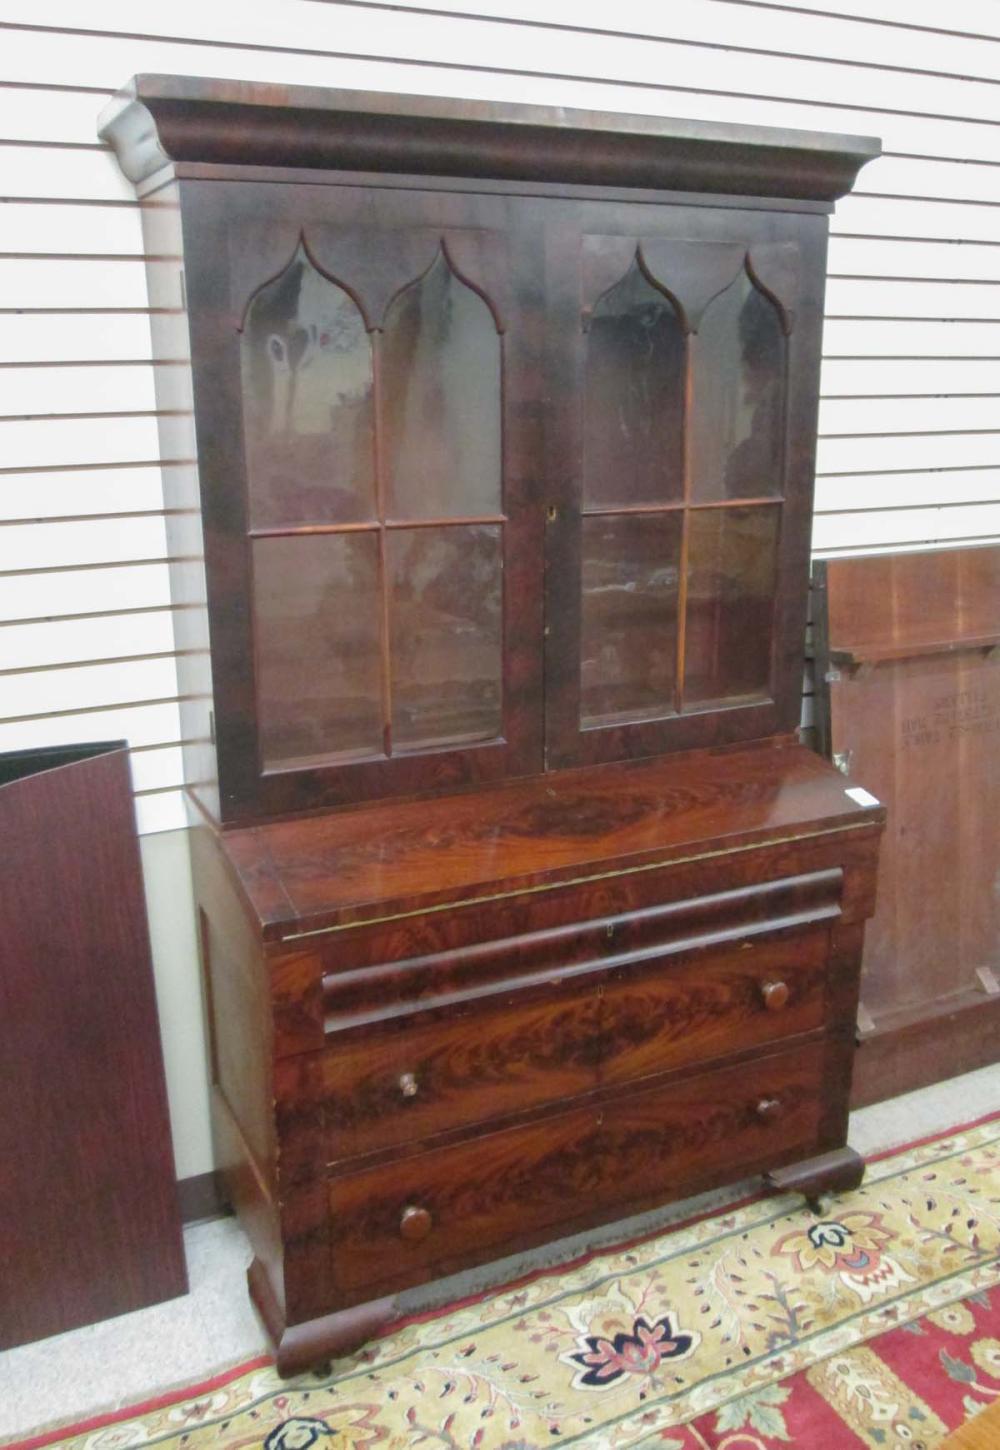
(521, 907)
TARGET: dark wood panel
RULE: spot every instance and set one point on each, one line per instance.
(894, 606)
(910, 704)
(87, 1192)
(908, 1051)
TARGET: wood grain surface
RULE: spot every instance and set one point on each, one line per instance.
(334, 869)
(87, 1191)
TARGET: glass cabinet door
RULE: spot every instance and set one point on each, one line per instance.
(378, 570)
(674, 612)
(381, 646)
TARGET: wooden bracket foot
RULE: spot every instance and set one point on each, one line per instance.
(835, 1172)
(308, 1345)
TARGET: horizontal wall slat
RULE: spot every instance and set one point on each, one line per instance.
(899, 297)
(908, 415)
(78, 337)
(902, 490)
(71, 229)
(906, 526)
(910, 375)
(165, 812)
(80, 687)
(930, 450)
(121, 388)
(889, 337)
(83, 541)
(875, 257)
(64, 641)
(137, 724)
(948, 180)
(157, 769)
(40, 115)
(45, 171)
(74, 492)
(83, 591)
(976, 17)
(894, 216)
(50, 442)
(39, 282)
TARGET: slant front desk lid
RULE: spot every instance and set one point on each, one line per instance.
(158, 119)
(346, 867)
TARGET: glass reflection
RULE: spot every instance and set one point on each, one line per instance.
(629, 617)
(732, 560)
(441, 400)
(738, 384)
(307, 399)
(445, 602)
(316, 614)
(633, 409)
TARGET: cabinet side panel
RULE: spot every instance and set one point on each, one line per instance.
(161, 227)
(240, 1039)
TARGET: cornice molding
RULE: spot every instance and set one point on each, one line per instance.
(158, 120)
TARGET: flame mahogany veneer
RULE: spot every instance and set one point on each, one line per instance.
(472, 989)
(420, 1068)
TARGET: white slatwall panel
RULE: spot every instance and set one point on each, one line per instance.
(910, 447)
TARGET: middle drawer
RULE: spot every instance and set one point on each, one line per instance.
(415, 1073)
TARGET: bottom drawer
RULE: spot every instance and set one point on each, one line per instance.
(432, 1213)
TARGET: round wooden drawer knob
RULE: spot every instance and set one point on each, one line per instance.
(415, 1224)
(768, 1109)
(408, 1085)
(775, 995)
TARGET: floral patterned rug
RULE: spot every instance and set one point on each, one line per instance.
(756, 1328)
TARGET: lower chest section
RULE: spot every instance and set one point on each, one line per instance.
(478, 1091)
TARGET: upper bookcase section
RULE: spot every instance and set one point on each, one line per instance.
(159, 120)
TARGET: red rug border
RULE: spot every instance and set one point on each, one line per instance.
(225, 1377)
